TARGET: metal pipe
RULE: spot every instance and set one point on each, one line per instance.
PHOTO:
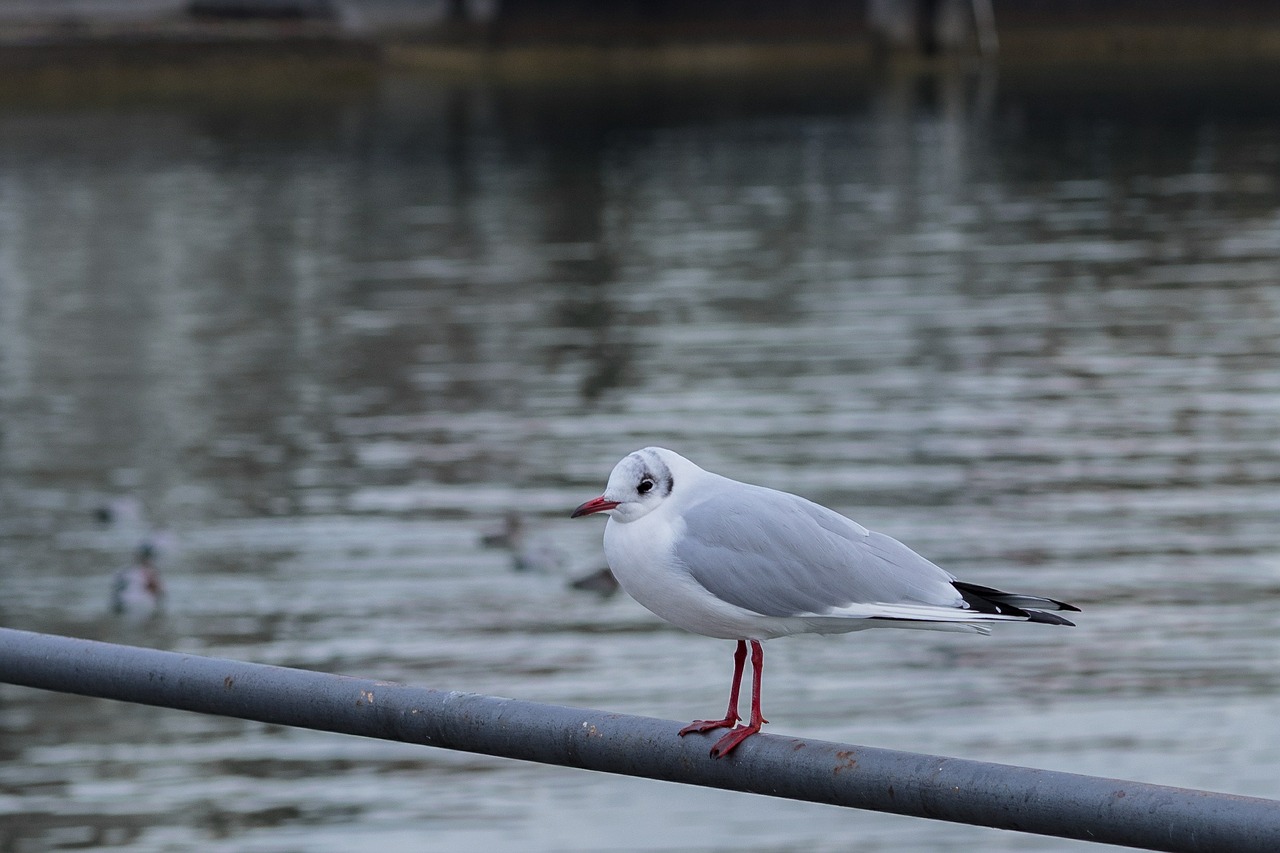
(1044, 802)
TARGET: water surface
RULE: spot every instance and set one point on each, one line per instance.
(320, 345)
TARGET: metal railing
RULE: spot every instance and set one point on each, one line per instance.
(1044, 802)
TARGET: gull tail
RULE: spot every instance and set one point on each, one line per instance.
(985, 599)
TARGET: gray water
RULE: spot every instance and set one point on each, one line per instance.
(317, 346)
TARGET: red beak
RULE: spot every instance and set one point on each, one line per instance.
(594, 505)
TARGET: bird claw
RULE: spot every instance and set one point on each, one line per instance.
(697, 727)
(729, 742)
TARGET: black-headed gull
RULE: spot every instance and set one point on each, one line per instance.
(741, 562)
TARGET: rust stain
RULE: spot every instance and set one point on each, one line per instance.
(847, 762)
(591, 730)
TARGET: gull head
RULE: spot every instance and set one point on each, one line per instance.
(638, 485)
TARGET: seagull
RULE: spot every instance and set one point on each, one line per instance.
(734, 561)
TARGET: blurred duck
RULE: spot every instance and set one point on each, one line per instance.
(137, 589)
(530, 553)
(601, 582)
(507, 535)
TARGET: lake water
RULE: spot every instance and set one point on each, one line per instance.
(318, 345)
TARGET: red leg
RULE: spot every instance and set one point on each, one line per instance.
(737, 735)
(731, 716)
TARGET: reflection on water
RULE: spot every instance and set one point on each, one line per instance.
(327, 345)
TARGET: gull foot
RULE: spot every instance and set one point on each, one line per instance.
(700, 726)
(729, 742)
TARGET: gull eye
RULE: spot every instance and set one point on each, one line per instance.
(645, 485)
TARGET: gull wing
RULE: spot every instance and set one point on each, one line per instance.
(777, 554)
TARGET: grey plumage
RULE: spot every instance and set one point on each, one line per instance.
(807, 560)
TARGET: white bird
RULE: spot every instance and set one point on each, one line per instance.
(740, 562)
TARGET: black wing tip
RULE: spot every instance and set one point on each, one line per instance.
(987, 599)
(1062, 605)
(1049, 618)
